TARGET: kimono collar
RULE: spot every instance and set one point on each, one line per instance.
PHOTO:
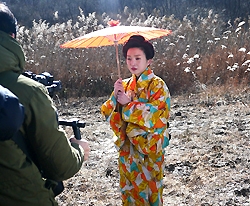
(143, 80)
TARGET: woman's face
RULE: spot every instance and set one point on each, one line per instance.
(136, 61)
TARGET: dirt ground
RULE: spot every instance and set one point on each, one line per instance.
(207, 161)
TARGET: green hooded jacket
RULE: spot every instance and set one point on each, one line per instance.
(21, 182)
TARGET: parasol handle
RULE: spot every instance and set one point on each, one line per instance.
(117, 59)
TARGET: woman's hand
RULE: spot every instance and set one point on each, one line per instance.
(118, 87)
(119, 93)
(122, 98)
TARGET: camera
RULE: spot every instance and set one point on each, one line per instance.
(47, 80)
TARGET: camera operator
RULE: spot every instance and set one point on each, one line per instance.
(21, 180)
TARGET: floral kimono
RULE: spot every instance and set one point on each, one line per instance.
(141, 134)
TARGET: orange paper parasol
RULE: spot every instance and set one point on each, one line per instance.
(114, 35)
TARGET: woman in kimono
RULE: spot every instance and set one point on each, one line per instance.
(138, 112)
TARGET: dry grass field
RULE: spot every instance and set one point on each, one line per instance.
(207, 161)
(199, 53)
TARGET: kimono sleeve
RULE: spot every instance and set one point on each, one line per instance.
(108, 110)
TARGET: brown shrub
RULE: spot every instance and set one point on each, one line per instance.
(195, 56)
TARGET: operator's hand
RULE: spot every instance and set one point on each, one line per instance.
(118, 87)
(84, 144)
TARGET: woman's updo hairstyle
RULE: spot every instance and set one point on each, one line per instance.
(140, 42)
